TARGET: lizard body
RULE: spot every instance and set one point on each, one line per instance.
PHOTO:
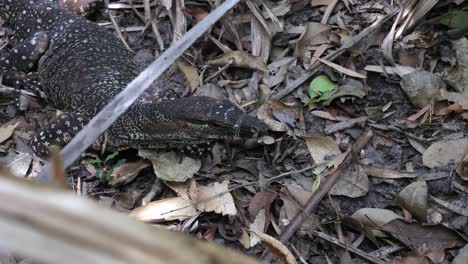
(80, 67)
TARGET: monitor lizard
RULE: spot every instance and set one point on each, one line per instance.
(79, 67)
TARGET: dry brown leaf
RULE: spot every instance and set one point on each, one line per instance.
(264, 114)
(168, 167)
(314, 34)
(259, 202)
(322, 148)
(410, 260)
(320, 2)
(169, 209)
(456, 97)
(258, 225)
(400, 70)
(443, 152)
(240, 59)
(187, 190)
(190, 73)
(6, 131)
(342, 69)
(125, 173)
(353, 184)
(453, 108)
(277, 248)
(17, 163)
(213, 198)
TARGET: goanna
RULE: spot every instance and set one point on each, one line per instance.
(79, 67)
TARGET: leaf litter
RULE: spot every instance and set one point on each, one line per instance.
(405, 80)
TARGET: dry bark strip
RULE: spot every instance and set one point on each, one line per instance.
(323, 190)
(104, 119)
(56, 226)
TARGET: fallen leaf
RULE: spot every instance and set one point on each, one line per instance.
(322, 148)
(168, 168)
(125, 173)
(261, 201)
(215, 198)
(442, 152)
(165, 210)
(453, 108)
(430, 241)
(277, 71)
(277, 248)
(352, 88)
(457, 19)
(452, 207)
(400, 70)
(459, 98)
(320, 89)
(314, 34)
(413, 198)
(374, 217)
(354, 183)
(258, 225)
(190, 73)
(240, 59)
(6, 131)
(421, 87)
(265, 115)
(342, 69)
(17, 163)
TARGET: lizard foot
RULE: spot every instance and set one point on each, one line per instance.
(58, 133)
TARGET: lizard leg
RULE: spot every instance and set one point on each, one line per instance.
(25, 56)
(20, 80)
(29, 82)
(58, 133)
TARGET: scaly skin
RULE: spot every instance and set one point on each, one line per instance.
(82, 67)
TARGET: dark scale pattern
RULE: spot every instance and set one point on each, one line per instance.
(82, 67)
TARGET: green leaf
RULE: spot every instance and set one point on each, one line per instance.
(456, 20)
(111, 156)
(320, 89)
(111, 169)
(378, 233)
(316, 183)
(94, 161)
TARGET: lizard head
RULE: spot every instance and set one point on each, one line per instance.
(200, 119)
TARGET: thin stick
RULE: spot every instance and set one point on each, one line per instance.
(324, 188)
(104, 119)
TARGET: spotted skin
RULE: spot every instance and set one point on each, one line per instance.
(84, 66)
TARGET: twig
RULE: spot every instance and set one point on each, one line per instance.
(125, 98)
(349, 247)
(314, 68)
(330, 181)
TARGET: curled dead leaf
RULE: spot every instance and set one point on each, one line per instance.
(278, 248)
(240, 59)
(125, 173)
